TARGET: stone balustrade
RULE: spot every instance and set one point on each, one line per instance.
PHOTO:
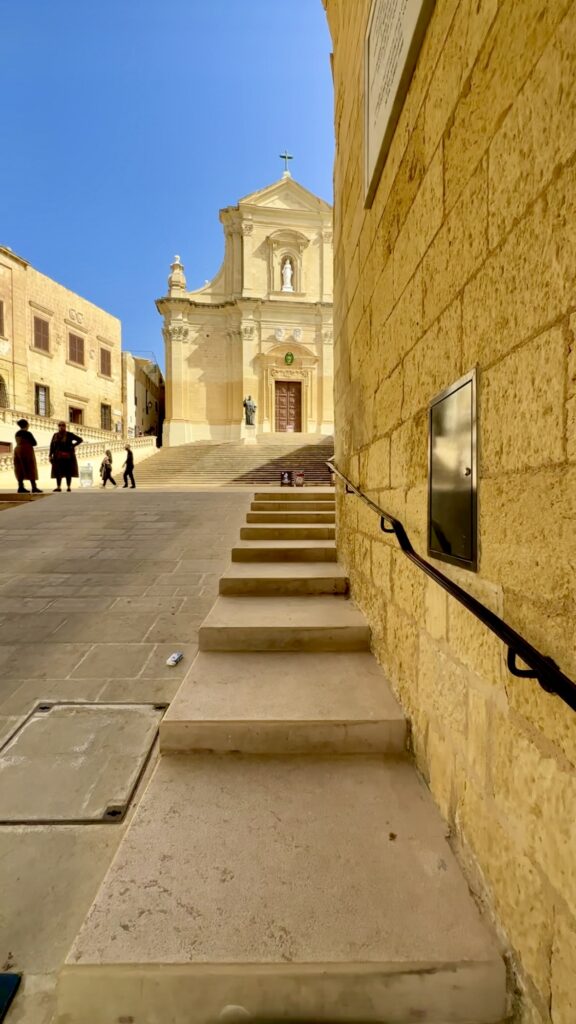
(91, 450)
(11, 416)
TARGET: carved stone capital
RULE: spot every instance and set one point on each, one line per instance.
(247, 227)
(177, 332)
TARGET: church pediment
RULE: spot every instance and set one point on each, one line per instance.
(286, 194)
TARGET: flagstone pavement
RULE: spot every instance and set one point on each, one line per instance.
(97, 588)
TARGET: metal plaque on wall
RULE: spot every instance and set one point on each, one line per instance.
(394, 37)
(452, 474)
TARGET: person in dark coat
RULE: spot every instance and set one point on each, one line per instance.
(25, 467)
(129, 466)
(106, 469)
(63, 456)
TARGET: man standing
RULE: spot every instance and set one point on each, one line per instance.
(129, 466)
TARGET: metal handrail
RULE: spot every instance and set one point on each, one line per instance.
(542, 668)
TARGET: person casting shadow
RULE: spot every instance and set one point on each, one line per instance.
(63, 456)
(25, 467)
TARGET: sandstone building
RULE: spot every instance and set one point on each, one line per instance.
(261, 327)
(456, 252)
(143, 396)
(59, 355)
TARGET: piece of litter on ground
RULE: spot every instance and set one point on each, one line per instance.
(174, 658)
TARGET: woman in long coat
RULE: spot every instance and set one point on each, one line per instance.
(63, 456)
(25, 467)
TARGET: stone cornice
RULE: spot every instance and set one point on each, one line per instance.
(4, 251)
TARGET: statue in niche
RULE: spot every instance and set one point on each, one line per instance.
(249, 411)
(287, 274)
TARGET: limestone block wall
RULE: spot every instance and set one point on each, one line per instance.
(467, 259)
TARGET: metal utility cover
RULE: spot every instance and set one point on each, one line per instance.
(75, 763)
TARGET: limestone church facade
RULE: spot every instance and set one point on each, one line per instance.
(262, 327)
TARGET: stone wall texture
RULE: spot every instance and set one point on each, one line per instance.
(467, 258)
(25, 294)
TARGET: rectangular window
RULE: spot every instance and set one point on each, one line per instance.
(76, 349)
(75, 415)
(105, 362)
(41, 400)
(106, 417)
(2, 334)
(41, 334)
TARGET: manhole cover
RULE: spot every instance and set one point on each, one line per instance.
(74, 763)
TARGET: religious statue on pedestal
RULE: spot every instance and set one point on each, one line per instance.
(249, 411)
(287, 273)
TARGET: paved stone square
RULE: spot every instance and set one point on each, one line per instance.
(96, 590)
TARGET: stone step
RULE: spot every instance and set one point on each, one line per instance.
(13, 497)
(277, 578)
(284, 551)
(288, 516)
(293, 506)
(280, 703)
(302, 531)
(296, 494)
(307, 888)
(284, 624)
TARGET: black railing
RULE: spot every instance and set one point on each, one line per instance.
(542, 668)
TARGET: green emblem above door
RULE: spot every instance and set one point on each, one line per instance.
(289, 358)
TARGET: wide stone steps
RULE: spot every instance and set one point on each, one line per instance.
(283, 578)
(296, 505)
(237, 463)
(291, 517)
(301, 531)
(284, 624)
(295, 495)
(317, 888)
(245, 705)
(286, 856)
(284, 551)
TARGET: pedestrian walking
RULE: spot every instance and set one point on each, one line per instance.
(129, 466)
(63, 456)
(25, 467)
(106, 469)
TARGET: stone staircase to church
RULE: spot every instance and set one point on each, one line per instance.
(233, 462)
(286, 857)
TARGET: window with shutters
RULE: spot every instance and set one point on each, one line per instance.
(76, 349)
(2, 330)
(41, 334)
(3, 394)
(106, 417)
(41, 400)
(105, 362)
(75, 416)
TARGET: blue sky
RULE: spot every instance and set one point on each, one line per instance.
(127, 125)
